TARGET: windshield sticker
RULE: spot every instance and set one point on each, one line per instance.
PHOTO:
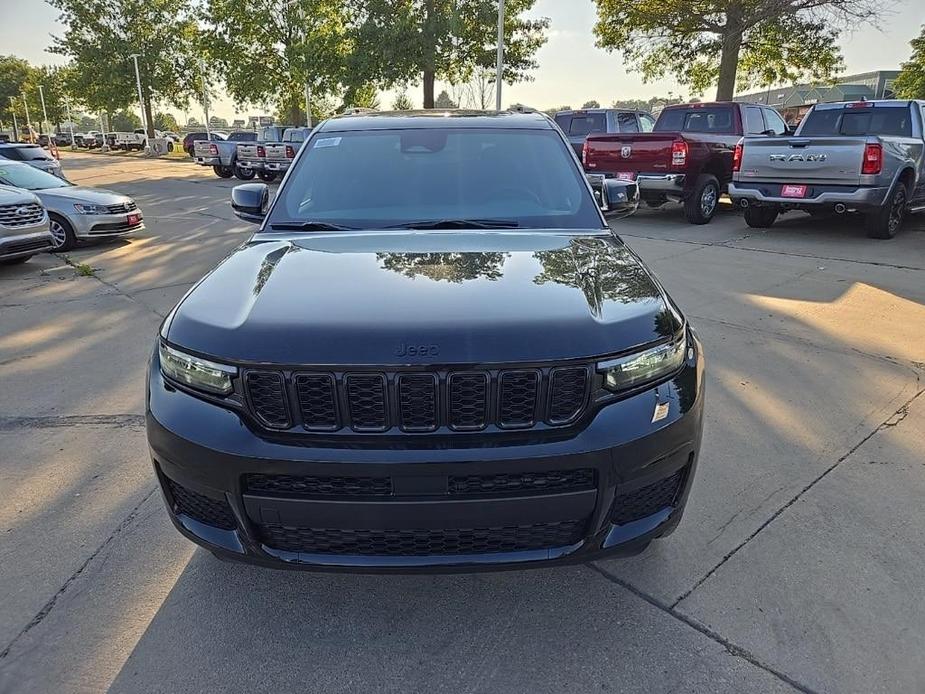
(327, 142)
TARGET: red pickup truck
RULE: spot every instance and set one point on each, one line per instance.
(688, 155)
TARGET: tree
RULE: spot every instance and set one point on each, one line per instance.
(481, 88)
(125, 121)
(444, 101)
(265, 51)
(656, 103)
(102, 35)
(591, 104)
(14, 75)
(402, 101)
(402, 41)
(166, 121)
(910, 84)
(361, 96)
(193, 122)
(731, 43)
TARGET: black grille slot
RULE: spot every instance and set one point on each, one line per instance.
(121, 207)
(521, 482)
(518, 398)
(267, 395)
(568, 389)
(317, 401)
(42, 244)
(468, 401)
(423, 542)
(214, 512)
(417, 401)
(314, 486)
(648, 500)
(366, 399)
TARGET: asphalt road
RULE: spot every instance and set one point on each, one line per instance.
(798, 565)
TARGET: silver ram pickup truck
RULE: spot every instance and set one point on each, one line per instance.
(253, 155)
(866, 156)
(222, 155)
(279, 155)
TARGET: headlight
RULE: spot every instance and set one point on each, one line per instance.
(91, 209)
(196, 372)
(633, 369)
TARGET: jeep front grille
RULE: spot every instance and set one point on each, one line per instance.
(418, 401)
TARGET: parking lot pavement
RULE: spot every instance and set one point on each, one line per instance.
(795, 567)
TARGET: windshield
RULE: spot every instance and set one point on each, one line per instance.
(30, 178)
(870, 120)
(388, 178)
(24, 153)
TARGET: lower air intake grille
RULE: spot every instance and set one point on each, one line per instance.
(313, 486)
(521, 483)
(647, 500)
(201, 508)
(423, 542)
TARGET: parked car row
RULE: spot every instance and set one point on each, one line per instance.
(866, 157)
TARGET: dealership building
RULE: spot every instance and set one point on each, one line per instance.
(793, 102)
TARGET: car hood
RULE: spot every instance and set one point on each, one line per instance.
(15, 196)
(91, 196)
(431, 297)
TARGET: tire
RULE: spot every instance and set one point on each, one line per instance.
(244, 174)
(169, 146)
(15, 261)
(884, 222)
(760, 217)
(223, 171)
(267, 176)
(700, 205)
(63, 236)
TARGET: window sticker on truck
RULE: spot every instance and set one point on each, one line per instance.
(327, 142)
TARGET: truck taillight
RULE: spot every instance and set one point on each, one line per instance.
(290, 152)
(873, 159)
(584, 154)
(737, 157)
(678, 153)
(213, 150)
(261, 151)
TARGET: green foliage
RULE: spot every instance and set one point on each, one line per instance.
(85, 123)
(911, 81)
(656, 103)
(403, 41)
(218, 122)
(15, 74)
(102, 35)
(360, 96)
(125, 121)
(166, 121)
(444, 101)
(730, 43)
(402, 101)
(591, 104)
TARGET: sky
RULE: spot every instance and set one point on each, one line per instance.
(571, 69)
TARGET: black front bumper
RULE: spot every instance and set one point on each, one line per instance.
(605, 489)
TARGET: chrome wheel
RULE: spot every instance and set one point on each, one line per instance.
(58, 234)
(708, 200)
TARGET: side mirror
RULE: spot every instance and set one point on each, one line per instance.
(250, 201)
(618, 198)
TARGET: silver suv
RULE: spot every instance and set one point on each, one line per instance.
(23, 226)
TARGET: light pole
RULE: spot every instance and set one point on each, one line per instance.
(15, 125)
(499, 68)
(141, 102)
(45, 122)
(105, 146)
(205, 97)
(70, 121)
(308, 86)
(28, 120)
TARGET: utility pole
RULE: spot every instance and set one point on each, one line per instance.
(141, 101)
(70, 121)
(28, 119)
(499, 68)
(105, 146)
(45, 122)
(15, 125)
(205, 97)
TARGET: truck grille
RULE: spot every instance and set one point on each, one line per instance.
(412, 542)
(16, 216)
(414, 401)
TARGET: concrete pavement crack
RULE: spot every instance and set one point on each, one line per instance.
(891, 421)
(730, 647)
(50, 605)
(53, 422)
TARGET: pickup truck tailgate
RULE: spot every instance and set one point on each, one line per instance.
(201, 148)
(247, 151)
(630, 152)
(277, 151)
(823, 160)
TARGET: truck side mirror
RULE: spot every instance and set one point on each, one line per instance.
(250, 201)
(618, 198)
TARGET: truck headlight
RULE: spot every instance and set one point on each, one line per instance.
(91, 209)
(196, 372)
(650, 365)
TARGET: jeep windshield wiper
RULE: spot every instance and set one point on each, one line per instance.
(309, 226)
(457, 224)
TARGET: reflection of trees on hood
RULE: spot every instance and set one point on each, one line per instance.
(450, 267)
(268, 264)
(601, 270)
